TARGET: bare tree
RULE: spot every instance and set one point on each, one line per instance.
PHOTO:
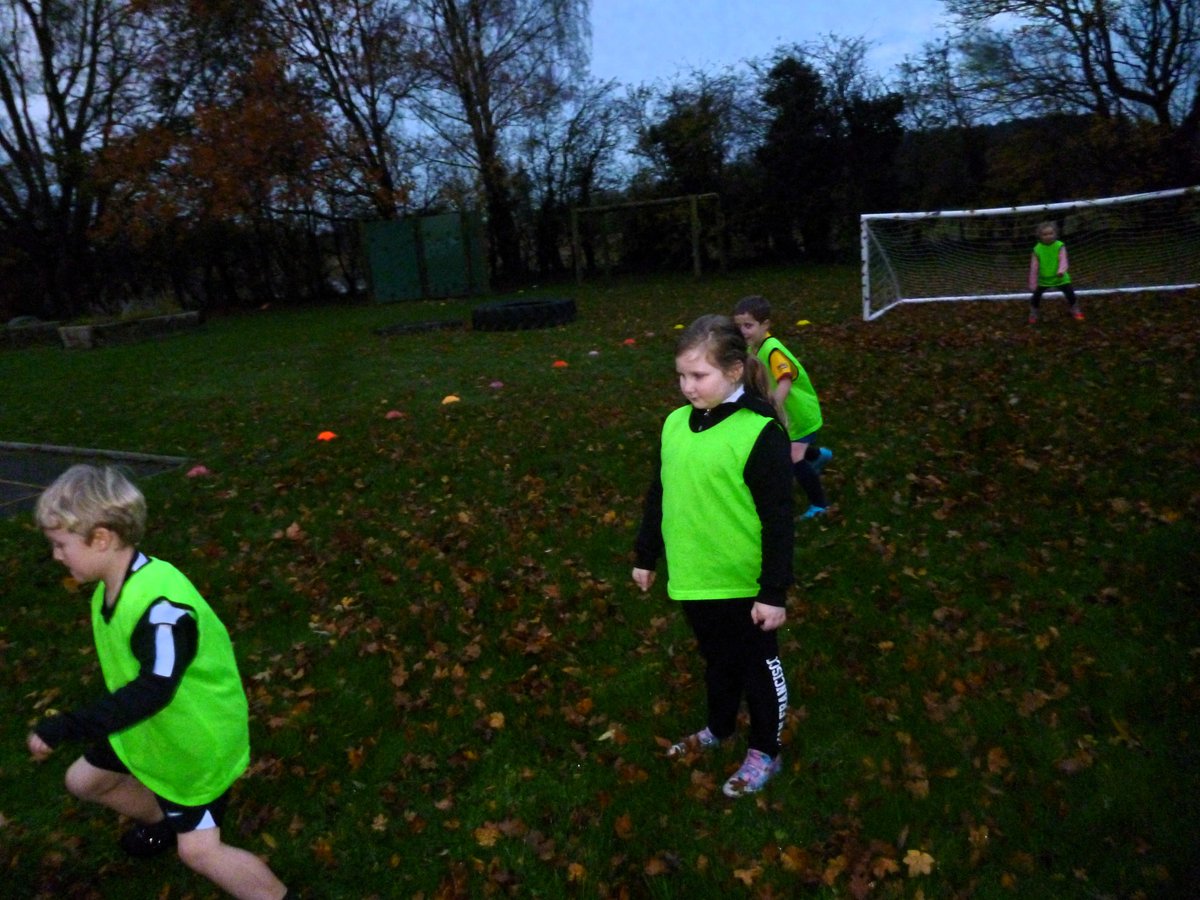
(1136, 59)
(569, 156)
(691, 130)
(934, 98)
(842, 63)
(493, 66)
(356, 56)
(66, 71)
(197, 47)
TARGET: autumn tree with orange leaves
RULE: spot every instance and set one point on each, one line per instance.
(219, 187)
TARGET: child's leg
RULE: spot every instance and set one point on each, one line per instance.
(237, 871)
(1034, 302)
(741, 659)
(714, 623)
(807, 477)
(1069, 296)
(118, 791)
(766, 690)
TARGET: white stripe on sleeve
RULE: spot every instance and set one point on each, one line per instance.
(164, 651)
(164, 615)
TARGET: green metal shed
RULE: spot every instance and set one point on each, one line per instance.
(425, 257)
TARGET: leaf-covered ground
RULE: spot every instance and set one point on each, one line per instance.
(457, 692)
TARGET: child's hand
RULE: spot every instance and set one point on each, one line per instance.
(38, 748)
(643, 578)
(767, 617)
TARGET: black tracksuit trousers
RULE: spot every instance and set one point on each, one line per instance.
(741, 660)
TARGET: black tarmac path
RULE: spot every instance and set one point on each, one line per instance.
(26, 469)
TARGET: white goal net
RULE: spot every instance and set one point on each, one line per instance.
(1139, 242)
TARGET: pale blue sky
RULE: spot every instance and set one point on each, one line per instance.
(636, 41)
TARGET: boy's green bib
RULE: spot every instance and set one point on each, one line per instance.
(711, 529)
(802, 408)
(194, 748)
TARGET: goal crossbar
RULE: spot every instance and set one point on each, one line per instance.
(1117, 245)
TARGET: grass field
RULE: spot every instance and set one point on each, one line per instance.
(456, 691)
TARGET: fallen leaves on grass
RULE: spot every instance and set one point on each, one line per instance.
(623, 826)
(487, 835)
(467, 596)
(748, 876)
(918, 862)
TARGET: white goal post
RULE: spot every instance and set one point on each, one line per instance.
(1138, 242)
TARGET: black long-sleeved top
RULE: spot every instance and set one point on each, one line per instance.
(768, 475)
(164, 641)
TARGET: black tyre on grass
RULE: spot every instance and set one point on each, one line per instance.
(520, 315)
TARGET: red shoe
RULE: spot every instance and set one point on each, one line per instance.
(1033, 317)
(1077, 314)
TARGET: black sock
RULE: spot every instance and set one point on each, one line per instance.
(161, 828)
(810, 483)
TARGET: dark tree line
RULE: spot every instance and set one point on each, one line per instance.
(211, 153)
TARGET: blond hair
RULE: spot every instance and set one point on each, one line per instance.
(85, 497)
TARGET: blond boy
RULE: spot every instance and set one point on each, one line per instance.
(171, 733)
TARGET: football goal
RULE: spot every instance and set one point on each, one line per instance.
(1138, 242)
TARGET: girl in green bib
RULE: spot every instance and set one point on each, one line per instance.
(719, 508)
(1049, 270)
